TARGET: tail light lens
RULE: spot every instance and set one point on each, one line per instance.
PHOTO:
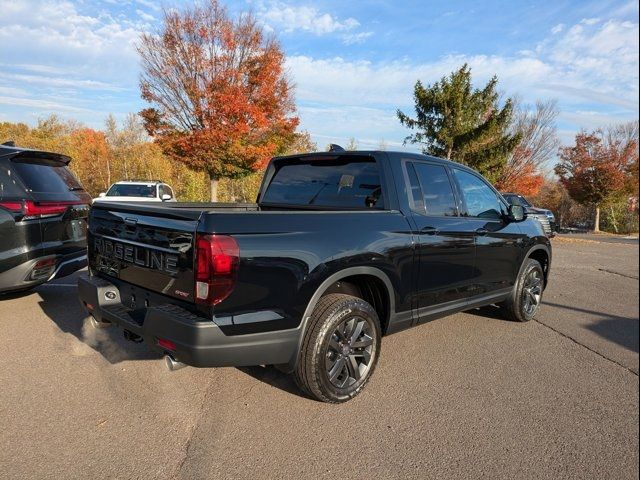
(216, 268)
(30, 209)
(166, 344)
(13, 207)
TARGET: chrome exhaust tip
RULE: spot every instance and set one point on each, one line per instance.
(95, 323)
(173, 364)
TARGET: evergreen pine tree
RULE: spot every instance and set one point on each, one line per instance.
(457, 122)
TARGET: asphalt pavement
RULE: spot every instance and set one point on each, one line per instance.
(467, 396)
(602, 237)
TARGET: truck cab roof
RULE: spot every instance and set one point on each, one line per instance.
(391, 154)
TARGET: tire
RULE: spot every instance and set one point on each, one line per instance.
(524, 302)
(334, 365)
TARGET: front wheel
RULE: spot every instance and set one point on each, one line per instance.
(340, 348)
(525, 300)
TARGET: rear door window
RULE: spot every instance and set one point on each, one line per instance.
(10, 188)
(437, 198)
(342, 182)
(47, 180)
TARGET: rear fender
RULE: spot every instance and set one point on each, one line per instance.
(320, 291)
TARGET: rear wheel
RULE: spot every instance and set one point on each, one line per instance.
(340, 348)
(525, 300)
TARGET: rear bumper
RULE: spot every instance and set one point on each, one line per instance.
(21, 276)
(199, 341)
(69, 264)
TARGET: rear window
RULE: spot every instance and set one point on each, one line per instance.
(10, 188)
(47, 179)
(342, 182)
(129, 190)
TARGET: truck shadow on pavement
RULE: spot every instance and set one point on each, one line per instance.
(621, 330)
(62, 306)
(489, 311)
(274, 377)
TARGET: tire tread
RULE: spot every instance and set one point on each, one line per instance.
(304, 373)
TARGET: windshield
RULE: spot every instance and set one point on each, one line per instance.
(343, 182)
(517, 200)
(132, 190)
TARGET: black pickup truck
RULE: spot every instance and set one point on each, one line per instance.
(340, 249)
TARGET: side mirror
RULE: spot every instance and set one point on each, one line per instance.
(166, 197)
(102, 194)
(516, 213)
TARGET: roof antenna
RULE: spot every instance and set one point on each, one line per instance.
(9, 143)
(336, 148)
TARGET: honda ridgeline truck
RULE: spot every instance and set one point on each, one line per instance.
(340, 249)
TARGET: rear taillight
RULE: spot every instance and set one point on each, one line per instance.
(46, 209)
(29, 209)
(216, 268)
(13, 207)
(166, 344)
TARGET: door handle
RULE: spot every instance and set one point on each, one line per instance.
(429, 231)
(482, 231)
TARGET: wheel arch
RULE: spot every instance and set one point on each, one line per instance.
(350, 276)
(542, 254)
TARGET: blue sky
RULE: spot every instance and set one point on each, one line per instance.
(353, 63)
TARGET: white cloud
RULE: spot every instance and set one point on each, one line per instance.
(355, 38)
(558, 28)
(57, 31)
(592, 64)
(54, 50)
(57, 82)
(30, 67)
(145, 16)
(153, 5)
(67, 59)
(589, 21)
(12, 91)
(282, 17)
(40, 104)
(626, 10)
(366, 83)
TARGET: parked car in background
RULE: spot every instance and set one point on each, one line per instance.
(138, 191)
(341, 248)
(544, 216)
(43, 218)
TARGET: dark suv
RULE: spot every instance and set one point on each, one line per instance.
(43, 218)
(544, 216)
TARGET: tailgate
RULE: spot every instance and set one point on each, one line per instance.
(151, 247)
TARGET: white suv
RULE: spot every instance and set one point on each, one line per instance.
(137, 191)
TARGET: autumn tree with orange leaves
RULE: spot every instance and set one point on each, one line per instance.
(91, 158)
(221, 99)
(597, 169)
